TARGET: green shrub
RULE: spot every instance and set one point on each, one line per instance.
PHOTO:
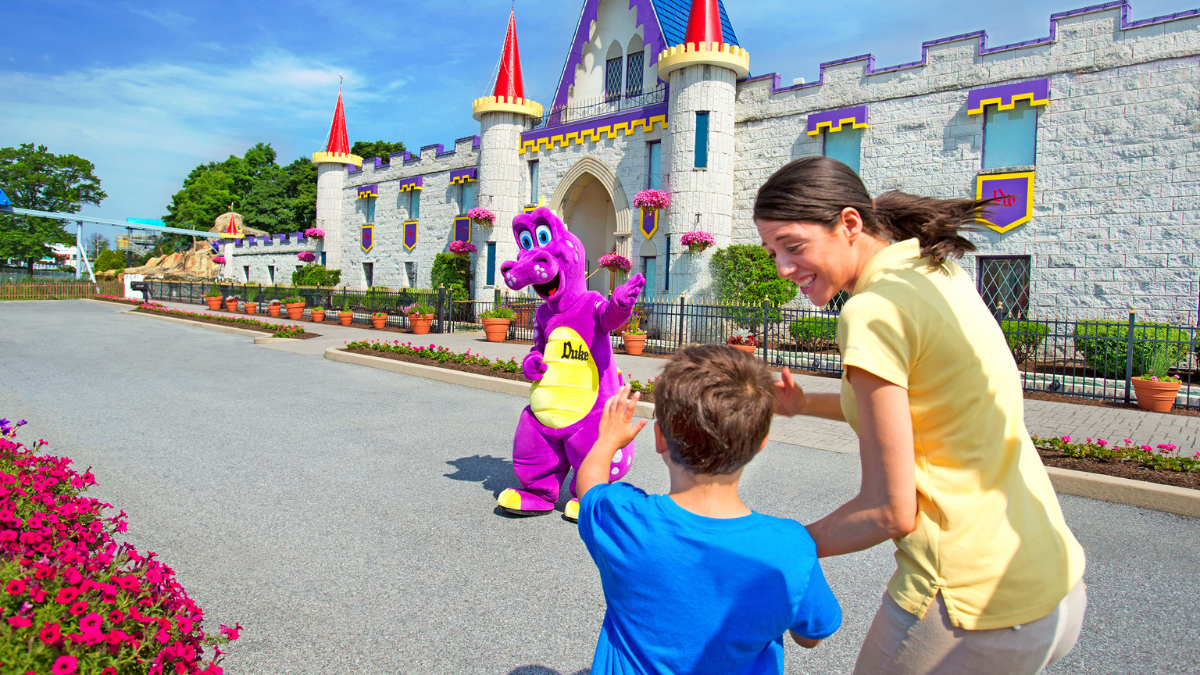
(745, 274)
(1024, 338)
(313, 274)
(110, 260)
(814, 333)
(499, 313)
(1102, 344)
(452, 272)
(214, 292)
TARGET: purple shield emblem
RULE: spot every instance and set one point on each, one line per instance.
(366, 237)
(1013, 195)
(649, 223)
(462, 229)
(410, 235)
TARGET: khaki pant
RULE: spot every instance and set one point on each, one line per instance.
(899, 643)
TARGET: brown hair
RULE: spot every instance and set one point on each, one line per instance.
(816, 189)
(714, 404)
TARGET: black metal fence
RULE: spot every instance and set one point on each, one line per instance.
(1089, 358)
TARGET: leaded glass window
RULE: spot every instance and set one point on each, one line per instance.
(634, 87)
(612, 79)
(1004, 285)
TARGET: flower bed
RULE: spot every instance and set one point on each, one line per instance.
(113, 298)
(276, 330)
(434, 355)
(75, 600)
(1125, 460)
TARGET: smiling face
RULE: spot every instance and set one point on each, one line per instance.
(818, 259)
(549, 258)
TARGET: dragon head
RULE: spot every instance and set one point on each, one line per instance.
(549, 257)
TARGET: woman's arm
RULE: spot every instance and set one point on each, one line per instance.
(886, 504)
(790, 400)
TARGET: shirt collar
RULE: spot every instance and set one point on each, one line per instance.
(893, 255)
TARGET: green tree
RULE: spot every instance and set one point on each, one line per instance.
(35, 178)
(745, 274)
(380, 149)
(109, 260)
(452, 272)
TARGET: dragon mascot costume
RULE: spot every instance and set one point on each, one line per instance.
(571, 363)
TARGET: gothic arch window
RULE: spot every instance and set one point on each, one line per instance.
(635, 67)
(613, 75)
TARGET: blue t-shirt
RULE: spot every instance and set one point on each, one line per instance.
(690, 594)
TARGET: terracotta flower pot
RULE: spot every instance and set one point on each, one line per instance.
(231, 305)
(378, 321)
(295, 310)
(420, 323)
(345, 318)
(1155, 396)
(251, 307)
(749, 349)
(214, 303)
(496, 330)
(273, 310)
(318, 315)
(634, 343)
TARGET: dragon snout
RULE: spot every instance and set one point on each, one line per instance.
(538, 269)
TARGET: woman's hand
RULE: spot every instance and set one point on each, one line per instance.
(789, 396)
(617, 429)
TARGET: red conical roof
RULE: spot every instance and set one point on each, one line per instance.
(338, 141)
(704, 23)
(508, 80)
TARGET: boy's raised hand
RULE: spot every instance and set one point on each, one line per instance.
(617, 429)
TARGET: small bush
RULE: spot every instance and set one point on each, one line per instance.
(745, 274)
(1102, 344)
(1024, 338)
(316, 275)
(814, 333)
(452, 272)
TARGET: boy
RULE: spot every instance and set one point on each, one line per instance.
(694, 581)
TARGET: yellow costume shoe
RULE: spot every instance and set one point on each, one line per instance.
(571, 513)
(515, 502)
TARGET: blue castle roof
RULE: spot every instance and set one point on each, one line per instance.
(673, 17)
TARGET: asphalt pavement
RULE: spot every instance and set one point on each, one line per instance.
(345, 516)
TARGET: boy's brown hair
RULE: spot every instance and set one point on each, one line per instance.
(714, 404)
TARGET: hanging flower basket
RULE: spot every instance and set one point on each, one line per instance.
(306, 256)
(697, 242)
(462, 249)
(314, 233)
(614, 262)
(650, 200)
(481, 216)
(219, 259)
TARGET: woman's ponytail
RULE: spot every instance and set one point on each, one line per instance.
(816, 189)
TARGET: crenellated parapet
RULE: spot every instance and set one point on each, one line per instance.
(427, 153)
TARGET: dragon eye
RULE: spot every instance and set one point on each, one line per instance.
(544, 236)
(526, 239)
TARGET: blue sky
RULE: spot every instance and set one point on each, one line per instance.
(149, 90)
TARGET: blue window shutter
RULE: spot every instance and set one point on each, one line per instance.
(414, 204)
(701, 140)
(491, 263)
(845, 146)
(654, 171)
(1010, 136)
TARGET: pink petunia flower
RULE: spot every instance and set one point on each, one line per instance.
(91, 623)
(19, 621)
(15, 587)
(78, 608)
(50, 633)
(1066, 439)
(65, 665)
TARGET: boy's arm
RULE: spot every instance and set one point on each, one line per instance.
(617, 429)
(803, 642)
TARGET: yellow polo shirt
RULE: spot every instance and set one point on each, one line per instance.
(989, 532)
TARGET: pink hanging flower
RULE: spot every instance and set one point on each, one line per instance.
(652, 199)
(697, 242)
(306, 256)
(481, 216)
(615, 261)
(314, 233)
(219, 259)
(462, 248)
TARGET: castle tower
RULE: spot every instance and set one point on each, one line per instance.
(331, 178)
(698, 148)
(502, 117)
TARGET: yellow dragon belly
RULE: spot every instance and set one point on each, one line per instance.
(571, 383)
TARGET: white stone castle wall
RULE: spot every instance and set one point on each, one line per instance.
(259, 256)
(439, 206)
(1117, 195)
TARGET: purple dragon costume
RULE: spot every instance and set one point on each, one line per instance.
(571, 363)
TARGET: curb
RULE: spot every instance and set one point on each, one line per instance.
(200, 324)
(448, 376)
(1169, 498)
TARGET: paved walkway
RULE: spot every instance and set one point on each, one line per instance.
(345, 515)
(1044, 418)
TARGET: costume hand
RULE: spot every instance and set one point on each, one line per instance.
(626, 294)
(533, 367)
(789, 396)
(617, 428)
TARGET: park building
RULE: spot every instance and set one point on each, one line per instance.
(1088, 138)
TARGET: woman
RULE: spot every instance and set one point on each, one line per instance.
(989, 577)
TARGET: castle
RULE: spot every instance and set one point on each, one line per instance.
(1089, 138)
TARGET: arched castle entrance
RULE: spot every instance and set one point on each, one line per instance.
(592, 203)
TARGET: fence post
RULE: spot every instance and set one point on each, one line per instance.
(766, 320)
(441, 306)
(679, 344)
(1129, 355)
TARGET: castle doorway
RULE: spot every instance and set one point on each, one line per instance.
(593, 219)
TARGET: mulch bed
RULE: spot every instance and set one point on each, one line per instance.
(1117, 405)
(303, 336)
(1183, 479)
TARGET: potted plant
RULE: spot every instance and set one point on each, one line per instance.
(420, 317)
(214, 297)
(1156, 390)
(294, 306)
(481, 216)
(318, 313)
(231, 303)
(378, 319)
(462, 249)
(744, 340)
(345, 316)
(697, 242)
(273, 308)
(251, 307)
(496, 322)
(633, 336)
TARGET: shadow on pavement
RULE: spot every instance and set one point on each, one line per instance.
(541, 670)
(495, 473)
